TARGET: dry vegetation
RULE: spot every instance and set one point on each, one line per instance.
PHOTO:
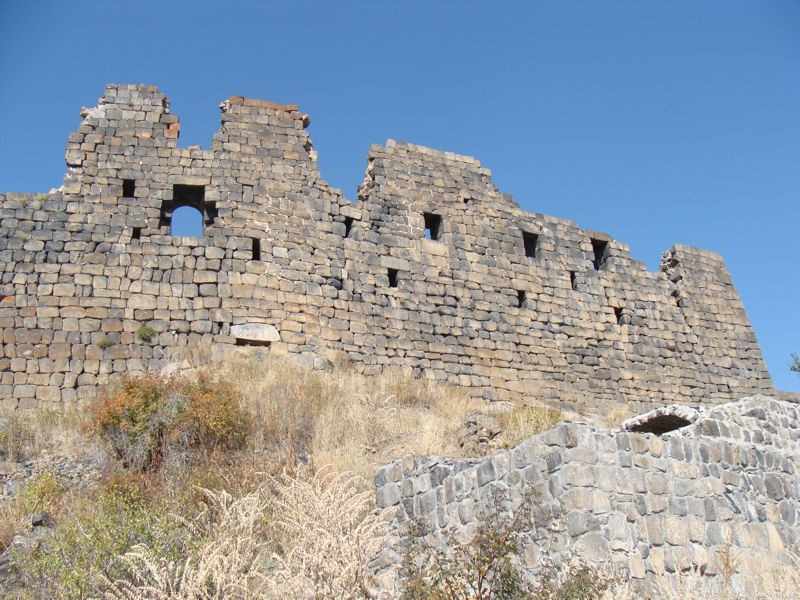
(256, 490)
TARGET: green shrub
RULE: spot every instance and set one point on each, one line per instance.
(145, 333)
(487, 566)
(41, 492)
(482, 568)
(106, 342)
(89, 541)
(146, 419)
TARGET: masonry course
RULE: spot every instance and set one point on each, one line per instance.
(720, 489)
(431, 271)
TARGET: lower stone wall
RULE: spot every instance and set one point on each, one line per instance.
(642, 502)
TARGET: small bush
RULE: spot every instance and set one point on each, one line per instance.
(487, 566)
(145, 333)
(89, 541)
(42, 492)
(15, 438)
(145, 419)
(106, 342)
(482, 568)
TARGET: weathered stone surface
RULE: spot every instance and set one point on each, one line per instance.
(259, 332)
(653, 507)
(432, 271)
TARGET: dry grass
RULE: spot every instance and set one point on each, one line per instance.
(323, 531)
(28, 435)
(38, 436)
(614, 417)
(300, 536)
(329, 529)
(339, 418)
(521, 422)
(755, 579)
(232, 553)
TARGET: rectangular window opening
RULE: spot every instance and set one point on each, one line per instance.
(433, 226)
(531, 241)
(137, 233)
(128, 188)
(619, 313)
(521, 297)
(243, 342)
(256, 248)
(600, 250)
(573, 280)
(392, 278)
(348, 226)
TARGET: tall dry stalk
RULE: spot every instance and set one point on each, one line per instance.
(330, 530)
(232, 551)
(324, 528)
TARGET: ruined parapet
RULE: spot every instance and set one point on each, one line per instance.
(721, 488)
(432, 271)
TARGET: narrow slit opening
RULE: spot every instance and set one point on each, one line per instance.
(243, 342)
(521, 297)
(256, 248)
(348, 226)
(573, 280)
(392, 273)
(128, 188)
(600, 250)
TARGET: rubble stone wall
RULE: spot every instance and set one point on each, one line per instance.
(723, 488)
(432, 271)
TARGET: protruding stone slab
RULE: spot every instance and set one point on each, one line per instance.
(256, 332)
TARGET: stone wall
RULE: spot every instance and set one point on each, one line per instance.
(432, 271)
(721, 487)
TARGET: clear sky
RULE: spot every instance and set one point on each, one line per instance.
(656, 122)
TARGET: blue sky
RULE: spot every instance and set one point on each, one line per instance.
(656, 122)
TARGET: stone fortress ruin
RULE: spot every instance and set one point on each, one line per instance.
(436, 273)
(432, 270)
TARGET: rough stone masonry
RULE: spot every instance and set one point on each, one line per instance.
(432, 271)
(678, 489)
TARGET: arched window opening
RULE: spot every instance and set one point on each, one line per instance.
(186, 221)
(187, 213)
